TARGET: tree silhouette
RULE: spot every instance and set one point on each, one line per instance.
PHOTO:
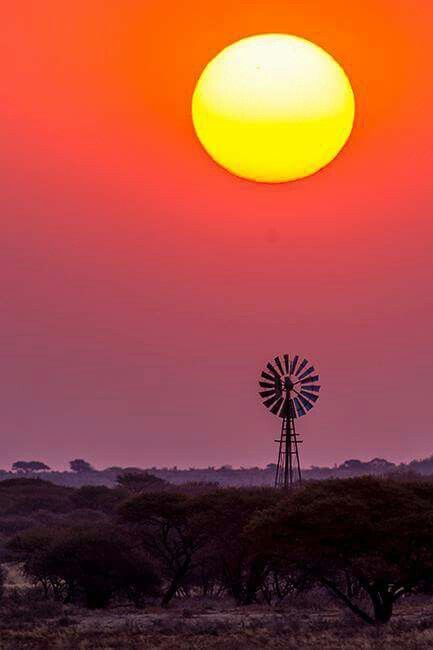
(371, 533)
(30, 466)
(80, 466)
(138, 482)
(172, 529)
(85, 564)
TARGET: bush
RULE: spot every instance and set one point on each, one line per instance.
(139, 482)
(86, 565)
(97, 497)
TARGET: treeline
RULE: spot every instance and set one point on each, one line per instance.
(367, 541)
(82, 473)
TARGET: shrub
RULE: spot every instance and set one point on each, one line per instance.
(89, 565)
(139, 482)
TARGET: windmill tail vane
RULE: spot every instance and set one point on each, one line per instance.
(289, 388)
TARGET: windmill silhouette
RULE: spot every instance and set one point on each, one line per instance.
(289, 388)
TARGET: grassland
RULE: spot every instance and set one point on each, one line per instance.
(28, 621)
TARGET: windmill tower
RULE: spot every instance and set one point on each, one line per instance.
(289, 388)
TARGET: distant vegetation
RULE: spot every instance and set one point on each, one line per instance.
(82, 473)
(367, 542)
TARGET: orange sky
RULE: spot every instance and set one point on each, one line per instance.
(145, 286)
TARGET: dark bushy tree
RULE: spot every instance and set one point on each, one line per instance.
(241, 567)
(30, 466)
(97, 497)
(80, 466)
(358, 536)
(23, 496)
(86, 565)
(173, 529)
(139, 482)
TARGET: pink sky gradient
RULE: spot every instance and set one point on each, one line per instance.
(143, 287)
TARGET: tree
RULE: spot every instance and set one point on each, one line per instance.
(29, 466)
(97, 497)
(380, 465)
(198, 539)
(23, 496)
(353, 465)
(31, 549)
(364, 536)
(86, 564)
(241, 567)
(79, 465)
(171, 528)
(138, 482)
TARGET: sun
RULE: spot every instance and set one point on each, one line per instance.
(273, 108)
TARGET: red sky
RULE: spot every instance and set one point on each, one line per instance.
(143, 287)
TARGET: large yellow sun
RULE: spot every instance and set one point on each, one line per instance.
(273, 108)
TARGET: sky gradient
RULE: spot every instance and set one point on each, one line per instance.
(143, 287)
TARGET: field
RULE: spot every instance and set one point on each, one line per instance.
(29, 622)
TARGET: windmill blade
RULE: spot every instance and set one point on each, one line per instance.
(268, 393)
(311, 396)
(293, 364)
(316, 389)
(277, 406)
(306, 403)
(299, 408)
(265, 384)
(270, 367)
(266, 375)
(276, 385)
(268, 403)
(309, 379)
(287, 363)
(307, 372)
(301, 367)
(278, 363)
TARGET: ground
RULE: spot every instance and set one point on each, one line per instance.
(29, 622)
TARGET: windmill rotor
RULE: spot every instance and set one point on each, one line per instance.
(289, 386)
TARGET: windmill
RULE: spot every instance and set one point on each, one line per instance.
(289, 388)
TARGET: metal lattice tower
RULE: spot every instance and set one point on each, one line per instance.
(289, 389)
